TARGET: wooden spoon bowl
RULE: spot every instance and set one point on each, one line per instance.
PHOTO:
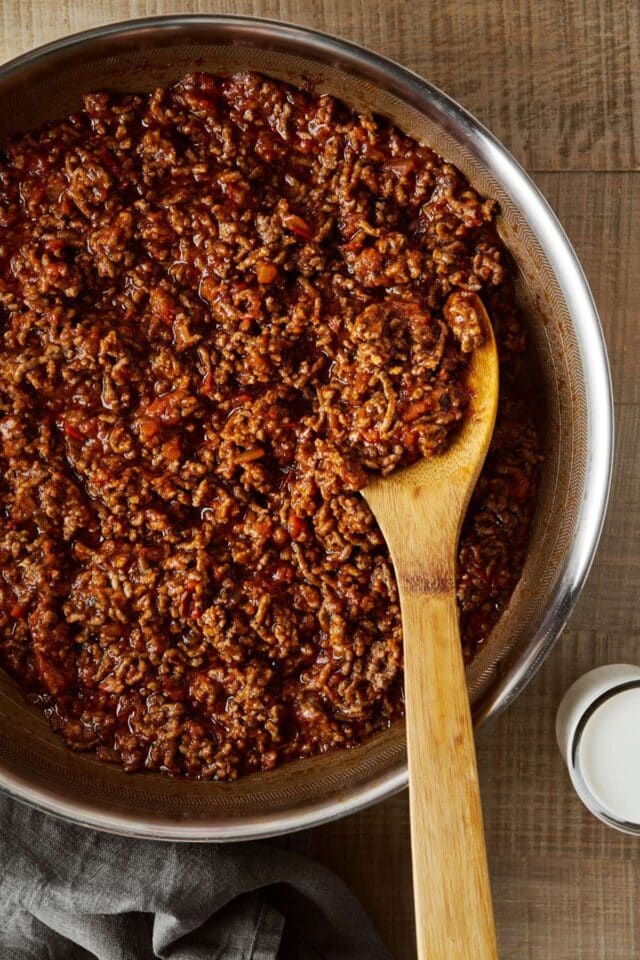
(420, 510)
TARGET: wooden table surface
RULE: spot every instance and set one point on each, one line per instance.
(559, 84)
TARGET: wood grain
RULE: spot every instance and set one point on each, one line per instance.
(601, 213)
(565, 886)
(452, 893)
(559, 83)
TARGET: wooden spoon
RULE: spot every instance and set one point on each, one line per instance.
(420, 511)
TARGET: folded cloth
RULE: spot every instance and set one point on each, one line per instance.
(69, 893)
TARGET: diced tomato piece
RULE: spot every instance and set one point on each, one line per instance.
(294, 223)
(239, 398)
(297, 526)
(266, 272)
(172, 449)
(149, 428)
(417, 409)
(72, 432)
(520, 489)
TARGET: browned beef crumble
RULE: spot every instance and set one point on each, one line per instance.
(224, 306)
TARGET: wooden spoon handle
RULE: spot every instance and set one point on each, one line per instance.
(454, 914)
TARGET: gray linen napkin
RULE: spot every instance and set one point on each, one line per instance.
(68, 893)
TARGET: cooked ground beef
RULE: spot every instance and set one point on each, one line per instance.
(225, 306)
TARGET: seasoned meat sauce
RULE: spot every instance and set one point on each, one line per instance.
(224, 306)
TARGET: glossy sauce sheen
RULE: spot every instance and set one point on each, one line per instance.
(224, 306)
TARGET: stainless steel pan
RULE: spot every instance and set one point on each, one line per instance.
(573, 388)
